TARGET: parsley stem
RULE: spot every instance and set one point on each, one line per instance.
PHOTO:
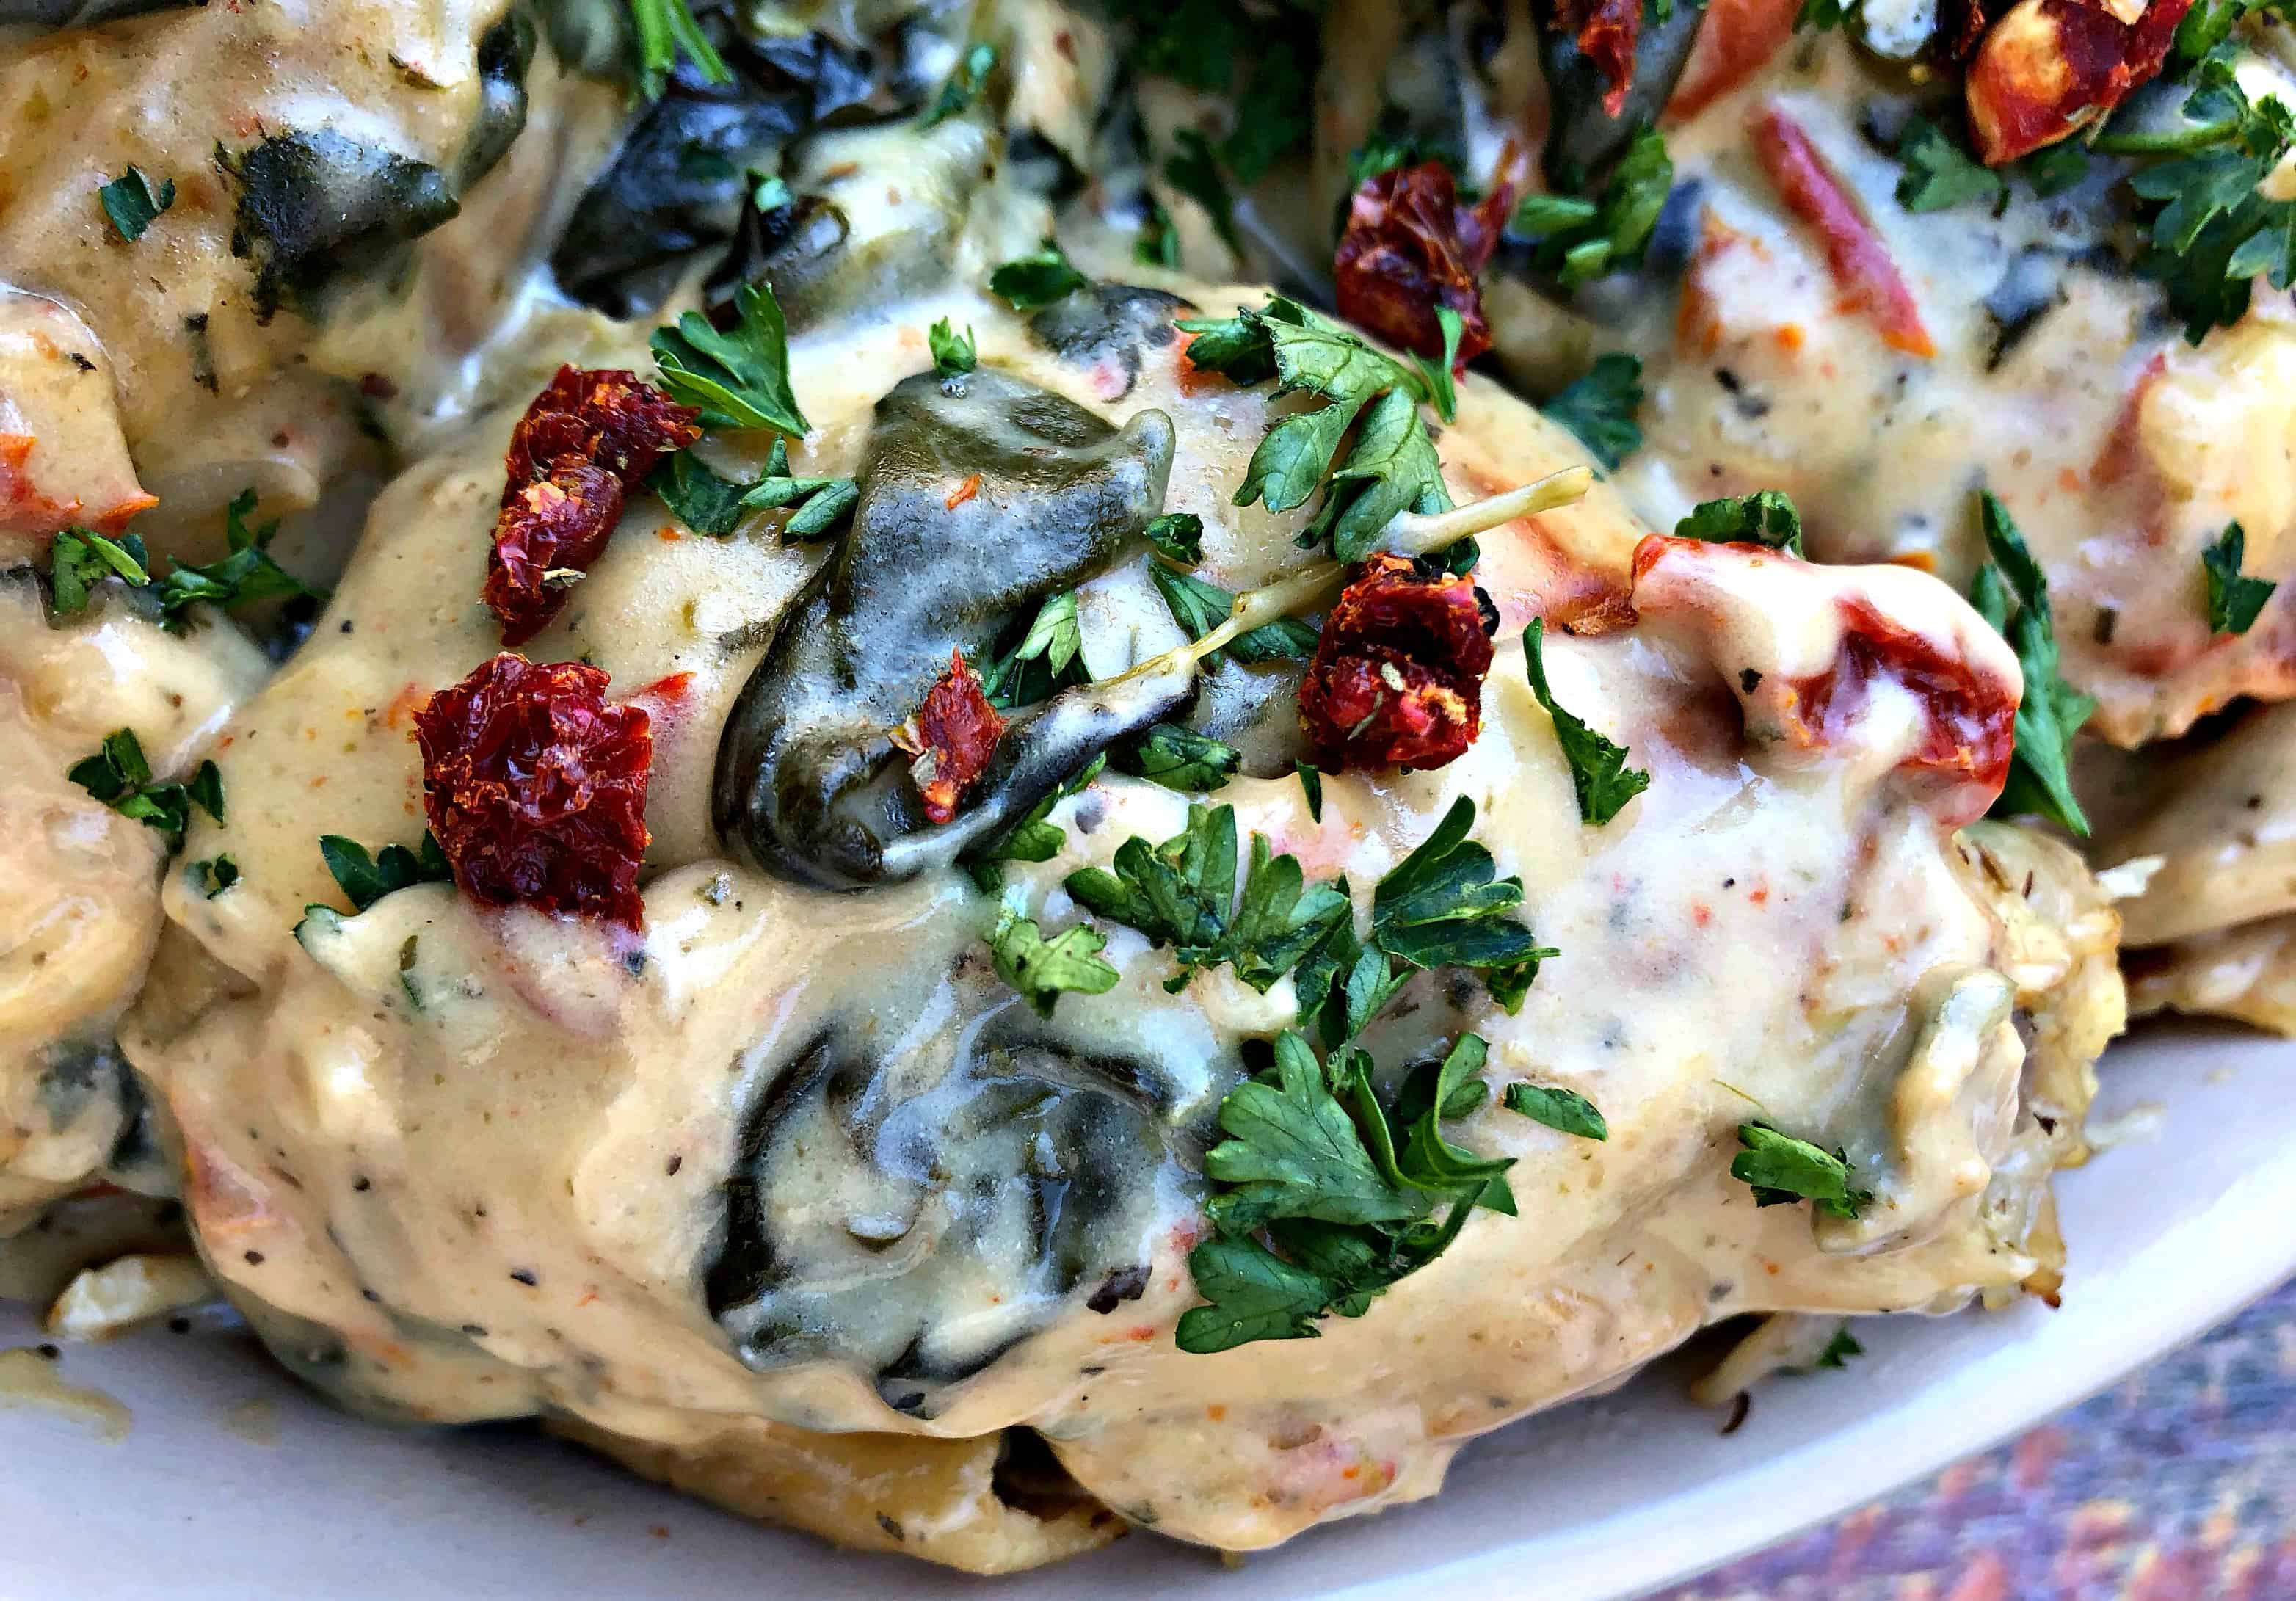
(1412, 534)
(2167, 142)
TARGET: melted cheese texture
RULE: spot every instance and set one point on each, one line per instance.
(79, 890)
(462, 1165)
(205, 382)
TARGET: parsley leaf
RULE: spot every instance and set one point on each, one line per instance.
(1390, 467)
(963, 86)
(1600, 408)
(665, 28)
(1177, 537)
(822, 504)
(1437, 375)
(1037, 280)
(365, 879)
(2012, 593)
(1599, 773)
(1044, 970)
(1393, 142)
(1561, 1109)
(247, 574)
(133, 205)
(1765, 517)
(1782, 1169)
(1939, 174)
(1199, 608)
(1840, 1349)
(1320, 1205)
(1158, 243)
(1179, 758)
(740, 378)
(699, 497)
(1045, 661)
(80, 558)
(1580, 238)
(1445, 906)
(1183, 893)
(215, 874)
(952, 352)
(1311, 785)
(1195, 171)
(119, 776)
(2233, 600)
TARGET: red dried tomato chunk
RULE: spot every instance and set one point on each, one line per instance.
(558, 525)
(1856, 255)
(2049, 68)
(952, 737)
(1606, 32)
(1410, 247)
(1398, 677)
(588, 437)
(608, 417)
(536, 783)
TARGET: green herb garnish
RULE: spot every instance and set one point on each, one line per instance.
(1565, 1110)
(1599, 773)
(963, 86)
(133, 205)
(1180, 759)
(1782, 1169)
(1765, 517)
(739, 378)
(665, 28)
(1036, 280)
(246, 575)
(1044, 970)
(118, 776)
(1580, 238)
(1179, 537)
(1939, 174)
(365, 879)
(2235, 599)
(822, 504)
(1442, 389)
(1034, 838)
(1600, 408)
(1311, 785)
(1047, 658)
(215, 874)
(2012, 593)
(1199, 608)
(80, 558)
(953, 353)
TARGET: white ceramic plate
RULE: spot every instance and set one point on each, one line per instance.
(2170, 1231)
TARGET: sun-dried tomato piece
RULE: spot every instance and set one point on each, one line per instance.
(1970, 730)
(607, 417)
(1606, 31)
(1410, 247)
(1398, 677)
(2050, 68)
(557, 526)
(535, 784)
(1855, 254)
(1736, 39)
(951, 738)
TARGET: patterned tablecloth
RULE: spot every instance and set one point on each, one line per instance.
(2179, 1485)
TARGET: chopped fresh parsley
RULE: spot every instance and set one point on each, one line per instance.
(822, 503)
(2012, 593)
(1037, 280)
(1445, 906)
(118, 776)
(666, 28)
(699, 497)
(1179, 537)
(1183, 893)
(1320, 1203)
(1840, 1349)
(1199, 608)
(1032, 839)
(1600, 408)
(1390, 467)
(215, 874)
(1044, 970)
(1765, 517)
(80, 558)
(1580, 238)
(1195, 171)
(953, 353)
(1159, 244)
(963, 86)
(245, 575)
(739, 378)
(1392, 143)
(1180, 759)
(1939, 174)
(1437, 374)
(1311, 785)
(1045, 659)
(2055, 168)
(1782, 1169)
(2209, 231)
(1560, 1109)
(365, 879)
(2234, 599)
(1599, 773)
(133, 205)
